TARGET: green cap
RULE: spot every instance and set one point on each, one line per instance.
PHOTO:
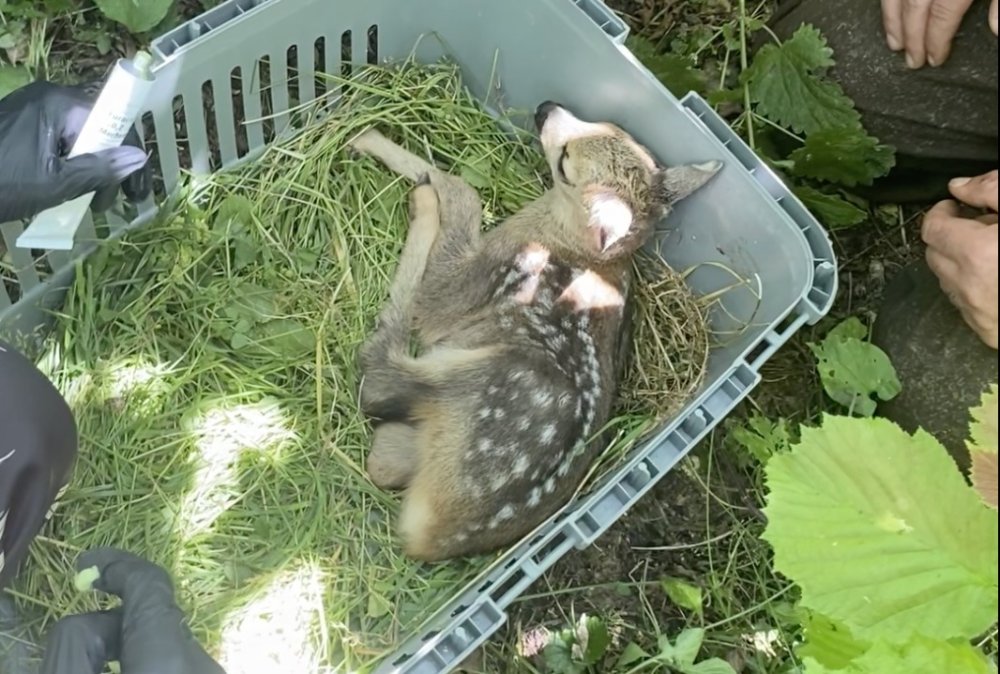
(143, 62)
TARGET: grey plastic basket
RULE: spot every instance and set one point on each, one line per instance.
(515, 54)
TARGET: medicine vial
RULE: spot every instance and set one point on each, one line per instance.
(113, 114)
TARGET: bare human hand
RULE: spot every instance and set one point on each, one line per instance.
(962, 252)
(925, 28)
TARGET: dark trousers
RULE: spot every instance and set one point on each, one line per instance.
(38, 445)
(943, 123)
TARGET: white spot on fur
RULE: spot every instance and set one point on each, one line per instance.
(590, 291)
(493, 390)
(498, 482)
(460, 537)
(484, 445)
(533, 259)
(535, 497)
(548, 434)
(485, 413)
(499, 413)
(521, 466)
(550, 485)
(610, 217)
(524, 424)
(563, 469)
(541, 398)
(506, 513)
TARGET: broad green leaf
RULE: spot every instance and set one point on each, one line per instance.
(829, 642)
(378, 605)
(812, 666)
(786, 83)
(853, 370)
(558, 656)
(844, 155)
(710, 666)
(881, 532)
(849, 328)
(833, 211)
(919, 655)
(138, 17)
(631, 654)
(683, 594)
(762, 438)
(983, 447)
(676, 73)
(288, 337)
(593, 639)
(687, 645)
(13, 78)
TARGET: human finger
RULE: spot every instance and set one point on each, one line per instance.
(915, 15)
(979, 191)
(944, 18)
(892, 23)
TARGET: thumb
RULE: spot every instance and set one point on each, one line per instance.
(980, 191)
(993, 16)
(97, 171)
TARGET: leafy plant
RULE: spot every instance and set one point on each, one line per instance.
(762, 438)
(677, 72)
(684, 594)
(853, 370)
(678, 656)
(797, 118)
(895, 554)
(574, 650)
(138, 17)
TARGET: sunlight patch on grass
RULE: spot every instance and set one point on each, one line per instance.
(222, 433)
(275, 632)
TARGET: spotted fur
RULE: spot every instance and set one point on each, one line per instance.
(521, 331)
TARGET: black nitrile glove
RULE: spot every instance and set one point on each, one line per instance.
(38, 125)
(147, 635)
(83, 644)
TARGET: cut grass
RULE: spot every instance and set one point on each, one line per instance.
(210, 360)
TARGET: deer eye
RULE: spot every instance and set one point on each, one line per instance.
(561, 167)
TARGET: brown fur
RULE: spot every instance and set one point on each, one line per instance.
(491, 427)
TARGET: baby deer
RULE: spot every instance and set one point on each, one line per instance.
(520, 335)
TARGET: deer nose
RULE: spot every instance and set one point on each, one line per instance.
(542, 113)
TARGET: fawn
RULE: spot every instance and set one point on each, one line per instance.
(521, 333)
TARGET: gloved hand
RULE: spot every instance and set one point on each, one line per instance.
(146, 635)
(38, 125)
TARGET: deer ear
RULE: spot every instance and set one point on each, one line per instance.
(670, 185)
(610, 217)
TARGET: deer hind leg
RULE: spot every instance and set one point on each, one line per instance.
(384, 392)
(460, 208)
(393, 459)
